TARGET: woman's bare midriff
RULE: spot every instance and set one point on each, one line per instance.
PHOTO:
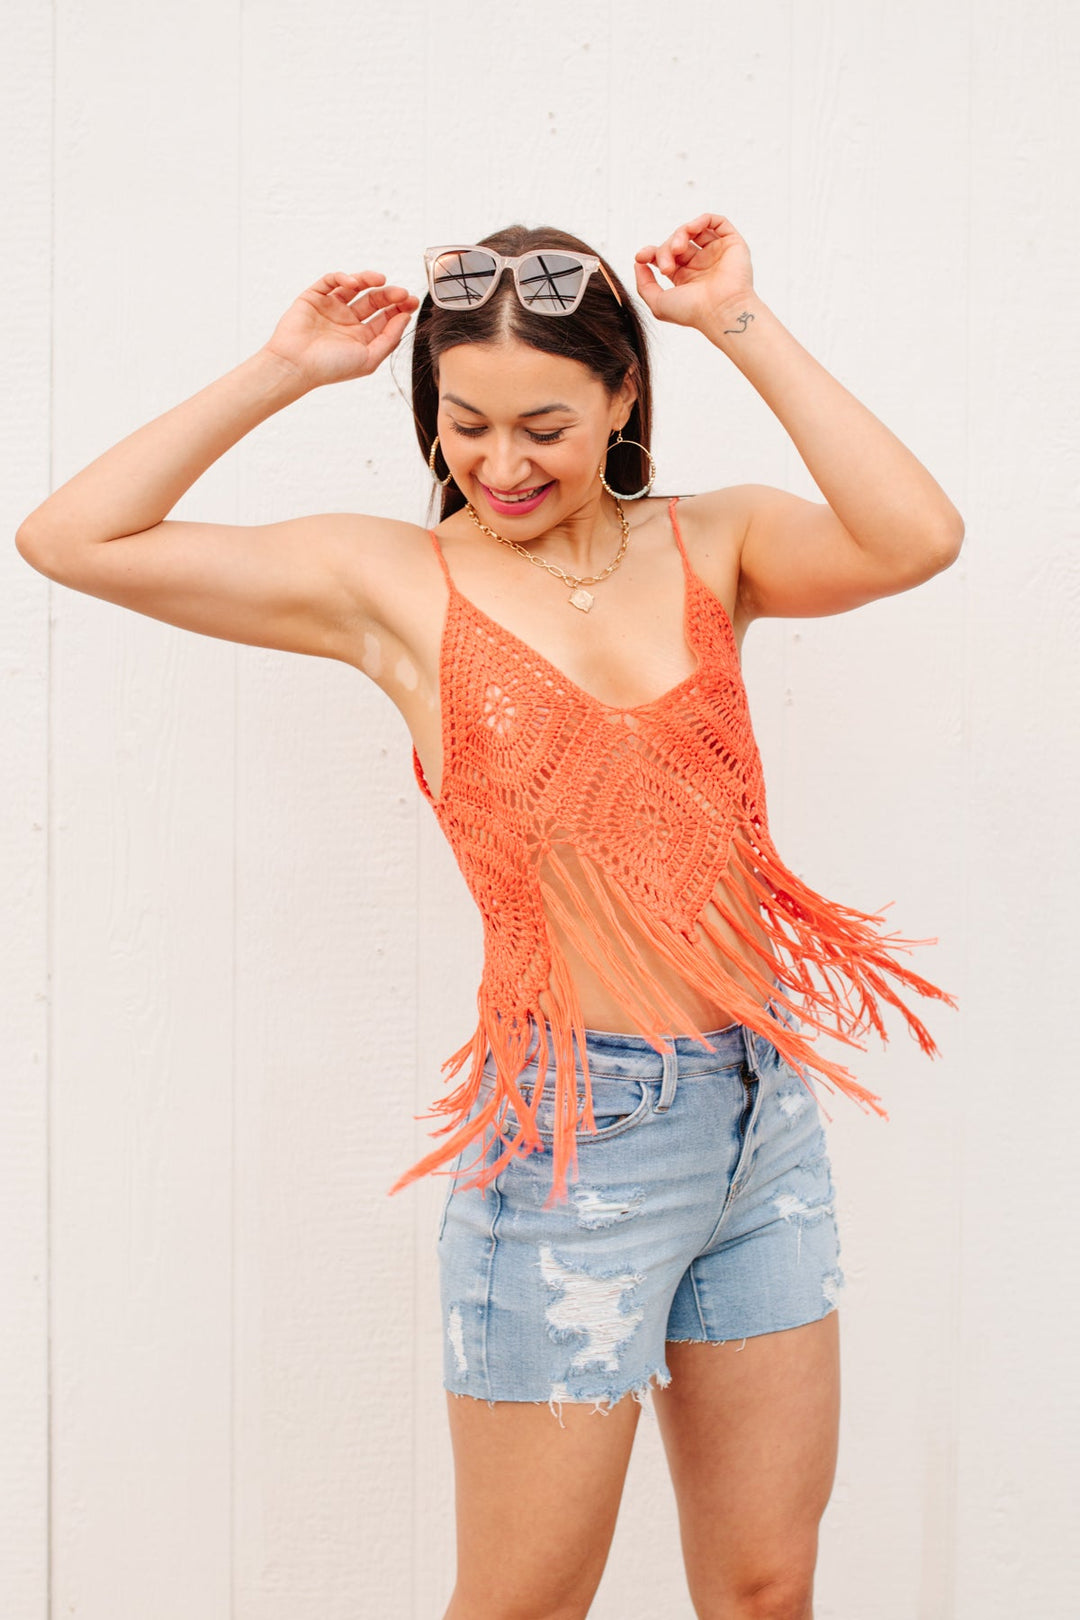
(600, 1010)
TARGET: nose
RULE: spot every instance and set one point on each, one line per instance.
(506, 466)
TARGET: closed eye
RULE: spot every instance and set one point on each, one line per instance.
(537, 438)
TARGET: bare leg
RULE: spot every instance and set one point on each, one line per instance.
(536, 1504)
(751, 1431)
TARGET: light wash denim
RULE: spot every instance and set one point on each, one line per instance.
(703, 1210)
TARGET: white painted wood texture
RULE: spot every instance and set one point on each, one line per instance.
(25, 299)
(237, 949)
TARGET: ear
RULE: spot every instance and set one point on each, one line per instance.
(626, 396)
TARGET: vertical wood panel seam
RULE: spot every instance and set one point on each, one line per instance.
(238, 248)
(50, 850)
(787, 710)
(414, 1562)
(609, 118)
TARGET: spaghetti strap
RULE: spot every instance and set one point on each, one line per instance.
(672, 504)
(442, 560)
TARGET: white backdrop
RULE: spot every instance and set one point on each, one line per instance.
(235, 949)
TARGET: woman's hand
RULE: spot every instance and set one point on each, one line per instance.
(327, 339)
(708, 265)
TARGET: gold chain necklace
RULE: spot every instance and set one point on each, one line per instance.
(579, 597)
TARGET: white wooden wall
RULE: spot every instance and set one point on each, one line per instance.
(235, 949)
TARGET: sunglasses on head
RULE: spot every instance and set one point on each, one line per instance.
(550, 281)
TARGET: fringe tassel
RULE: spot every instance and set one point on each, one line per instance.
(844, 946)
(844, 937)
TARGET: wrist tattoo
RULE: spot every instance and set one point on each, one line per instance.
(747, 315)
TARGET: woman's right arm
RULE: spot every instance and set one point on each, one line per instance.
(295, 585)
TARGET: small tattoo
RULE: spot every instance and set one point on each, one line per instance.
(744, 317)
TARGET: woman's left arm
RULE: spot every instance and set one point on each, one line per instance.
(888, 524)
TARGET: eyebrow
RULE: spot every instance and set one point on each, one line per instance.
(542, 410)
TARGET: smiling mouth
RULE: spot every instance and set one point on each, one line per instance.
(517, 494)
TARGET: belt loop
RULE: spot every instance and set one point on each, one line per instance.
(670, 1081)
(749, 1039)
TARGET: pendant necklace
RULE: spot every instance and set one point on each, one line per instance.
(579, 596)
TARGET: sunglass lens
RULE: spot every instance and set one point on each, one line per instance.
(551, 282)
(460, 280)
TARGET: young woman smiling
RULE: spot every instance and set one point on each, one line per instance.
(641, 1192)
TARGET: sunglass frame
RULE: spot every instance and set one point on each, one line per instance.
(588, 261)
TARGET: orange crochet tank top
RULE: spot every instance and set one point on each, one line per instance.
(626, 833)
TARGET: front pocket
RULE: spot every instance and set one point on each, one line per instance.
(618, 1104)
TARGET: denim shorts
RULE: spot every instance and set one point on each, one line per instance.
(703, 1211)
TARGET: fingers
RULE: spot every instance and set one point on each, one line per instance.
(362, 290)
(677, 252)
(381, 298)
(670, 255)
(705, 228)
(705, 222)
(684, 243)
(377, 324)
(338, 280)
(388, 338)
(647, 285)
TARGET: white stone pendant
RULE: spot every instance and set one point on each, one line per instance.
(581, 598)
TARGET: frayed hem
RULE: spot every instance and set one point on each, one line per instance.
(603, 1404)
(716, 1342)
(783, 1327)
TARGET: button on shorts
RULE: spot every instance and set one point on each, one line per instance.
(703, 1210)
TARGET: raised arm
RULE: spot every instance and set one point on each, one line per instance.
(296, 585)
(887, 525)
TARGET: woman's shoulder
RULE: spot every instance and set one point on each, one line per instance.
(374, 541)
(708, 508)
(711, 524)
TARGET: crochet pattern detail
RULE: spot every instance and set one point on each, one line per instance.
(626, 833)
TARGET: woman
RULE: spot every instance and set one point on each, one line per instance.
(642, 1189)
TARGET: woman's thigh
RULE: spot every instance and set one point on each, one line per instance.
(751, 1432)
(536, 1504)
(750, 1420)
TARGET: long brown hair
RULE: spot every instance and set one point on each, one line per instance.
(607, 337)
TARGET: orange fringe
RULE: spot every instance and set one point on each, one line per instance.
(841, 943)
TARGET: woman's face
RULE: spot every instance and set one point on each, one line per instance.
(524, 432)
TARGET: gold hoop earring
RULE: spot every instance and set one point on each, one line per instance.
(616, 494)
(431, 466)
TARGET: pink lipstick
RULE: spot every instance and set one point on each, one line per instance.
(515, 508)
